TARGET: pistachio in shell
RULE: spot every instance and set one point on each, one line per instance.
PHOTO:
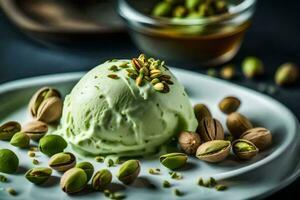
(229, 104)
(129, 171)
(39, 97)
(287, 74)
(210, 129)
(101, 179)
(260, 137)
(8, 129)
(201, 111)
(237, 124)
(52, 144)
(50, 110)
(87, 167)
(74, 180)
(38, 175)
(173, 160)
(20, 140)
(189, 142)
(62, 161)
(213, 151)
(35, 129)
(244, 149)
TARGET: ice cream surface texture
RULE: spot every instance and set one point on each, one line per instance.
(109, 112)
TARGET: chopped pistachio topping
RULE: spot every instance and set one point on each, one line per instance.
(154, 171)
(113, 68)
(166, 184)
(117, 196)
(221, 187)
(99, 159)
(177, 192)
(113, 76)
(175, 175)
(3, 178)
(110, 163)
(201, 182)
(35, 162)
(31, 154)
(33, 149)
(11, 191)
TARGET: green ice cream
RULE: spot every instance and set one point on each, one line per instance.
(107, 114)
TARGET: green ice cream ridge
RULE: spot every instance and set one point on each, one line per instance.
(145, 69)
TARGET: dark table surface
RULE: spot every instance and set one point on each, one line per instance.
(274, 37)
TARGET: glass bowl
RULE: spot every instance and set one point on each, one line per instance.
(204, 41)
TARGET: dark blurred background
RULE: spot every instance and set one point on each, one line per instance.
(273, 37)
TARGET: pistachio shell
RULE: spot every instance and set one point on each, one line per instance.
(229, 104)
(62, 161)
(38, 175)
(237, 124)
(39, 97)
(101, 179)
(74, 180)
(88, 168)
(189, 142)
(210, 129)
(50, 110)
(9, 161)
(201, 111)
(20, 139)
(260, 137)
(173, 160)
(52, 144)
(129, 171)
(35, 129)
(8, 129)
(244, 149)
(213, 151)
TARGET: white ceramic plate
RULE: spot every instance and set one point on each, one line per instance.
(270, 171)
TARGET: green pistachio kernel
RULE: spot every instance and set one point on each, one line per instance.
(173, 160)
(38, 175)
(166, 184)
(7, 130)
(221, 187)
(101, 179)
(252, 67)
(129, 171)
(88, 168)
(9, 161)
(52, 144)
(21, 140)
(62, 161)
(192, 4)
(162, 9)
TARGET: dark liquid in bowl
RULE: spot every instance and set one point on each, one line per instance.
(206, 48)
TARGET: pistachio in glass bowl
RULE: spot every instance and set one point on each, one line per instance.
(207, 39)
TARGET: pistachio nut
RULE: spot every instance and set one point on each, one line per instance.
(229, 104)
(210, 129)
(260, 137)
(35, 130)
(8, 129)
(88, 168)
(52, 144)
(38, 175)
(9, 161)
(228, 72)
(50, 110)
(173, 160)
(286, 74)
(39, 97)
(101, 179)
(237, 124)
(213, 151)
(20, 139)
(252, 67)
(62, 161)
(129, 171)
(162, 9)
(244, 149)
(189, 142)
(74, 180)
(201, 111)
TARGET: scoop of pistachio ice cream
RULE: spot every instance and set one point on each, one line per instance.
(110, 112)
